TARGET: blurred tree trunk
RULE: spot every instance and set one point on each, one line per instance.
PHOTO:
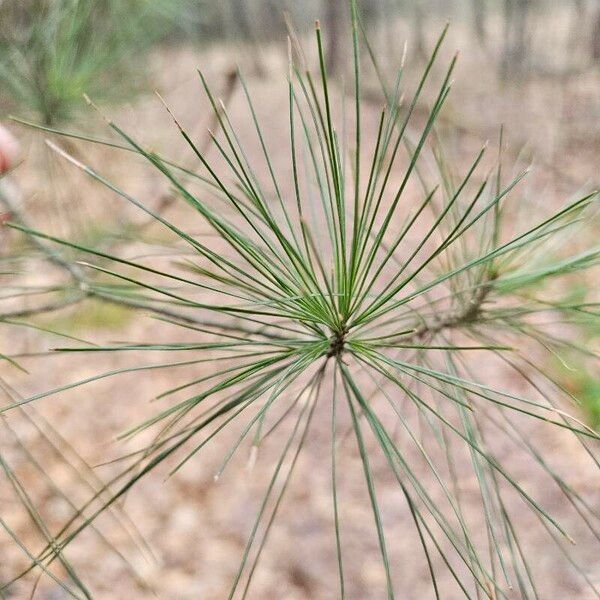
(516, 17)
(479, 21)
(419, 31)
(506, 53)
(333, 27)
(272, 18)
(520, 32)
(596, 37)
(241, 19)
(243, 24)
(579, 22)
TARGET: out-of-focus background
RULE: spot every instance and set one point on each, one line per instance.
(530, 65)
